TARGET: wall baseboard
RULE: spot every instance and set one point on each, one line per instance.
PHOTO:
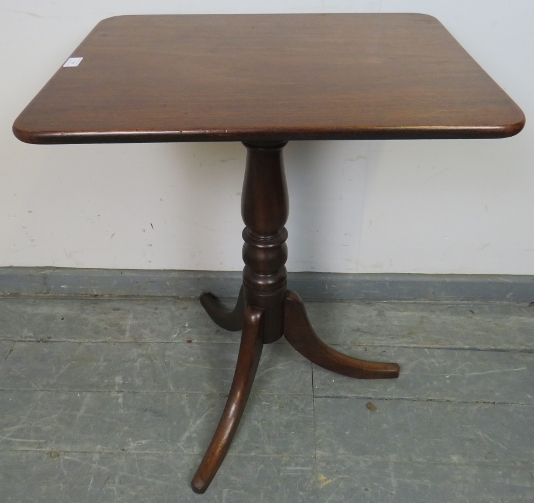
(310, 285)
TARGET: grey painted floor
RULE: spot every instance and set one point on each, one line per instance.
(115, 400)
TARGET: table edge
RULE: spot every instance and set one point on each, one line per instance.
(282, 134)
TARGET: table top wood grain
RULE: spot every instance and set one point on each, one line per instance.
(268, 77)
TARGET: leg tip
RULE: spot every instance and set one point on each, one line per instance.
(375, 370)
(393, 371)
(198, 485)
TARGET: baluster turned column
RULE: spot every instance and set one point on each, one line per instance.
(265, 207)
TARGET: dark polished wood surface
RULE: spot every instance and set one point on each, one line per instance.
(229, 320)
(278, 77)
(301, 335)
(245, 371)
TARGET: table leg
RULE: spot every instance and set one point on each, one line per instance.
(265, 308)
(301, 335)
(247, 364)
(229, 320)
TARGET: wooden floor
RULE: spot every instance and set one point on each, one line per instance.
(115, 400)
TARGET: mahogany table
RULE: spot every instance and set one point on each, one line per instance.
(264, 80)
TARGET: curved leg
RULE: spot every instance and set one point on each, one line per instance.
(300, 334)
(229, 320)
(247, 364)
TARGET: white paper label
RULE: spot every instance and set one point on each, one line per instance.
(72, 62)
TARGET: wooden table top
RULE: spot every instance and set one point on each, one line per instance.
(268, 77)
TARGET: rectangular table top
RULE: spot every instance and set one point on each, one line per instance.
(268, 77)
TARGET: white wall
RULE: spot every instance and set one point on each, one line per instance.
(420, 206)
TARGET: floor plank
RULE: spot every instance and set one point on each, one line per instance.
(150, 422)
(182, 367)
(439, 374)
(162, 478)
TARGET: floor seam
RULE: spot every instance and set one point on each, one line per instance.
(166, 452)
(145, 392)
(236, 342)
(424, 400)
(315, 467)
